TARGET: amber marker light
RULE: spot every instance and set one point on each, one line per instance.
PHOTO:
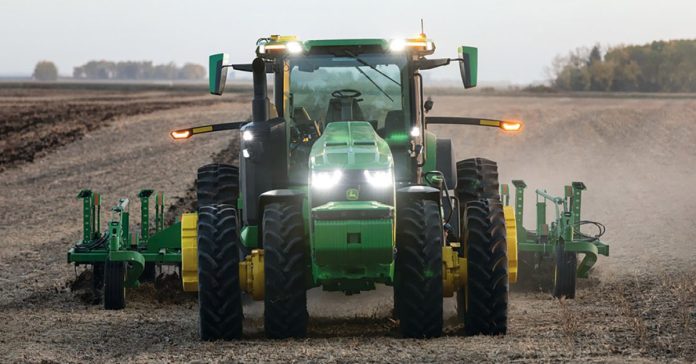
(511, 125)
(181, 134)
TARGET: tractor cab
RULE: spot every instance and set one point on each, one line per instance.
(343, 86)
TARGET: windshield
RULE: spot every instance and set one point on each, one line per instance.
(326, 88)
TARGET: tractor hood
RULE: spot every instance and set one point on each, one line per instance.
(350, 145)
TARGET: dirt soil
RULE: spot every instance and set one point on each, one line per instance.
(33, 124)
(635, 155)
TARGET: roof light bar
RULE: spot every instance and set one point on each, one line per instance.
(420, 44)
(277, 44)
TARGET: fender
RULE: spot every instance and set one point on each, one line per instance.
(283, 195)
(418, 192)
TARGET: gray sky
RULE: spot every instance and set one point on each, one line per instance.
(517, 39)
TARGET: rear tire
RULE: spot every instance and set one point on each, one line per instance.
(285, 257)
(219, 293)
(483, 303)
(114, 285)
(418, 269)
(565, 267)
(477, 178)
(217, 184)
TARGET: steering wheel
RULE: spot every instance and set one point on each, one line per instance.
(346, 93)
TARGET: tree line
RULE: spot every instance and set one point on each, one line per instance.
(128, 70)
(660, 66)
(144, 70)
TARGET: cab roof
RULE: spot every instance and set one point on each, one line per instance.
(309, 44)
(279, 45)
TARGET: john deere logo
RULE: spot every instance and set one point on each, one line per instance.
(352, 194)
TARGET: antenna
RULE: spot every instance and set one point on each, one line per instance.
(422, 32)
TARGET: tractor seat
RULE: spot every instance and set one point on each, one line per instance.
(393, 123)
(344, 110)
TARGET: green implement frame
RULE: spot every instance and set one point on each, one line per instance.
(157, 245)
(565, 229)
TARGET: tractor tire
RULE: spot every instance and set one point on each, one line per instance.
(217, 184)
(395, 310)
(418, 269)
(483, 302)
(219, 293)
(477, 178)
(149, 273)
(114, 285)
(565, 267)
(285, 266)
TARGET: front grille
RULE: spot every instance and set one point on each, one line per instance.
(353, 179)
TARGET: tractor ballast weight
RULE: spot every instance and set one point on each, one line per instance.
(342, 186)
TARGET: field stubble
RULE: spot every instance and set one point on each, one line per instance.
(635, 155)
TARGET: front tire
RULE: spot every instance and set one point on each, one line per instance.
(285, 257)
(114, 285)
(418, 269)
(483, 302)
(219, 293)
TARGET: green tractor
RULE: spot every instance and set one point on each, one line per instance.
(342, 186)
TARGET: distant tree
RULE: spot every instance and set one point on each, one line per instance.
(571, 71)
(45, 71)
(138, 70)
(191, 71)
(626, 72)
(96, 70)
(78, 72)
(595, 55)
(130, 70)
(601, 76)
(165, 71)
(661, 66)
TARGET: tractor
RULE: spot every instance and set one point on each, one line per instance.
(340, 185)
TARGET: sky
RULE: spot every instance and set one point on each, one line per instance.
(517, 39)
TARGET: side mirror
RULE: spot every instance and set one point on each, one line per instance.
(468, 65)
(217, 74)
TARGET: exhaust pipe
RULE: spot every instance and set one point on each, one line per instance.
(260, 103)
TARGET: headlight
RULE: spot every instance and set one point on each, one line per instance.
(293, 47)
(397, 45)
(324, 180)
(379, 179)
